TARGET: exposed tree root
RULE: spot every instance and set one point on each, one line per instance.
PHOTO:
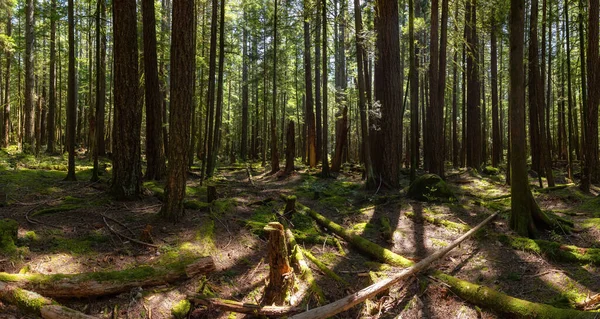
(109, 282)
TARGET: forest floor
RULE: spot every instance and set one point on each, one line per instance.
(69, 235)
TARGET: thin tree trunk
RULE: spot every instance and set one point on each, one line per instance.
(71, 97)
(310, 116)
(274, 152)
(6, 109)
(496, 143)
(325, 153)
(29, 139)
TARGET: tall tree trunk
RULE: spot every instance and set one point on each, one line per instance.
(360, 55)
(244, 141)
(525, 213)
(310, 115)
(71, 97)
(571, 138)
(183, 65)
(52, 83)
(591, 171)
(325, 153)
(155, 154)
(496, 142)
(100, 85)
(387, 91)
(5, 134)
(29, 139)
(219, 107)
(319, 131)
(455, 147)
(474, 141)
(274, 152)
(414, 93)
(210, 104)
(127, 168)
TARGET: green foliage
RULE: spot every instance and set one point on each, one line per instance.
(490, 170)
(9, 229)
(181, 309)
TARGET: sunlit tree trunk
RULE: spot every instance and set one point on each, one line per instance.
(591, 171)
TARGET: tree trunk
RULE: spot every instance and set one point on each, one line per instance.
(571, 137)
(6, 109)
(99, 147)
(496, 137)
(526, 216)
(183, 65)
(52, 84)
(360, 55)
(281, 275)
(274, 151)
(127, 168)
(155, 154)
(212, 66)
(319, 132)
(341, 127)
(387, 90)
(310, 115)
(290, 151)
(325, 130)
(474, 141)
(244, 141)
(455, 147)
(414, 93)
(71, 97)
(29, 138)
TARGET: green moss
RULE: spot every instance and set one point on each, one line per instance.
(438, 242)
(30, 301)
(181, 309)
(440, 222)
(591, 222)
(386, 227)
(260, 218)
(430, 187)
(56, 209)
(553, 250)
(9, 230)
(223, 205)
(377, 266)
(490, 170)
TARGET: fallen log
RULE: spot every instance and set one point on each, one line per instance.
(33, 303)
(359, 242)
(370, 291)
(484, 296)
(247, 308)
(95, 284)
(324, 268)
(297, 258)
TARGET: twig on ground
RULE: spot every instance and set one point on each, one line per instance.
(127, 237)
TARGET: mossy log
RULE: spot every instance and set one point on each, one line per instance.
(553, 250)
(383, 285)
(497, 301)
(439, 222)
(359, 242)
(330, 273)
(95, 284)
(33, 303)
(247, 308)
(481, 296)
(297, 259)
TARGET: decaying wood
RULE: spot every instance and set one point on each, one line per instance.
(297, 259)
(106, 283)
(202, 266)
(360, 296)
(281, 276)
(247, 308)
(31, 302)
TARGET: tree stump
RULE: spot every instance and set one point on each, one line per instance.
(290, 151)
(281, 275)
(211, 193)
(290, 205)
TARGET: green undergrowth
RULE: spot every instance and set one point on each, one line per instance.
(450, 225)
(332, 194)
(221, 205)
(553, 250)
(590, 206)
(260, 217)
(181, 309)
(569, 295)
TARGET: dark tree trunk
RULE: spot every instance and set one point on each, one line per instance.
(571, 137)
(474, 141)
(591, 171)
(325, 153)
(526, 216)
(183, 67)
(4, 141)
(71, 97)
(341, 126)
(496, 142)
(455, 147)
(216, 144)
(52, 84)
(155, 154)
(310, 115)
(290, 150)
(127, 168)
(98, 138)
(360, 55)
(414, 93)
(274, 152)
(319, 136)
(210, 104)
(29, 139)
(244, 141)
(387, 90)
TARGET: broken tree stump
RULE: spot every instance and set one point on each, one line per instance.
(290, 205)
(290, 149)
(211, 193)
(281, 276)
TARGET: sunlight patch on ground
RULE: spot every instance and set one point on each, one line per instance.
(60, 263)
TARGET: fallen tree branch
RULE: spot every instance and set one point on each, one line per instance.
(127, 237)
(370, 291)
(31, 302)
(109, 282)
(247, 308)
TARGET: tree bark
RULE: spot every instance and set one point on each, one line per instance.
(290, 151)
(99, 147)
(52, 84)
(244, 141)
(281, 275)
(274, 151)
(310, 115)
(591, 171)
(155, 153)
(5, 134)
(474, 141)
(183, 65)
(29, 111)
(325, 129)
(127, 166)
(496, 142)
(341, 127)
(71, 97)
(414, 93)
